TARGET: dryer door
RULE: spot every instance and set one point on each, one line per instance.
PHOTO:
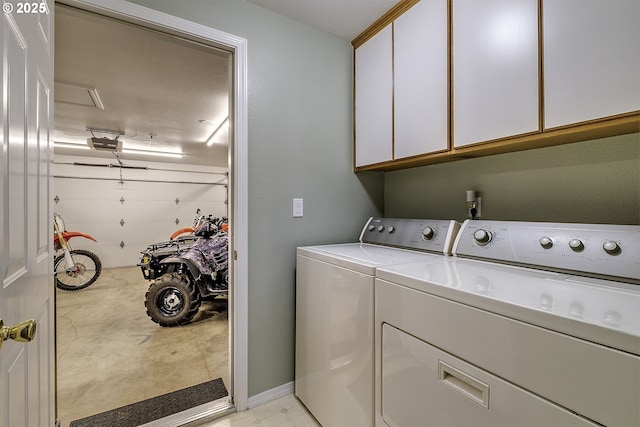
(425, 386)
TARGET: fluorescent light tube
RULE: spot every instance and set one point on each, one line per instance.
(153, 153)
(70, 145)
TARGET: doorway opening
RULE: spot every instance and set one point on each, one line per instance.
(91, 182)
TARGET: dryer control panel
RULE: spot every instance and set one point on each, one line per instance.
(588, 249)
(422, 234)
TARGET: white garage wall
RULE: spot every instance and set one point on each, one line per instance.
(130, 206)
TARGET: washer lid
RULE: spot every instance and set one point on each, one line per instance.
(362, 257)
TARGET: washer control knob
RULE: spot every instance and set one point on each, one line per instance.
(372, 227)
(576, 245)
(381, 228)
(482, 237)
(391, 229)
(428, 233)
(546, 242)
(612, 248)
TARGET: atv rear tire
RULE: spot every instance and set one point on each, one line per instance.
(172, 300)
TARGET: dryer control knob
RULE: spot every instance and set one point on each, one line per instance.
(391, 229)
(546, 242)
(576, 245)
(482, 237)
(428, 233)
(372, 227)
(381, 228)
(612, 248)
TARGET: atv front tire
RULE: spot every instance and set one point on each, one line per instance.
(172, 300)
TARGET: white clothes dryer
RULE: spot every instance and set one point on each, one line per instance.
(529, 324)
(334, 370)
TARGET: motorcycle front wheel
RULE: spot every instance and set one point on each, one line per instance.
(86, 271)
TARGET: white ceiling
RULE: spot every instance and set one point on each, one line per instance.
(343, 18)
(155, 89)
(160, 92)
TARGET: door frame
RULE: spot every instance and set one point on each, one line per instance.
(238, 178)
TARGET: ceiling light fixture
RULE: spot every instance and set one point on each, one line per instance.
(215, 132)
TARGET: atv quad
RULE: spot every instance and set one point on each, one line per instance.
(183, 272)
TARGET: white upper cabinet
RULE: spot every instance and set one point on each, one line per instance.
(449, 79)
(495, 69)
(591, 59)
(374, 99)
(421, 79)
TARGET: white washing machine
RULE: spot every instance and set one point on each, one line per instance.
(334, 368)
(530, 324)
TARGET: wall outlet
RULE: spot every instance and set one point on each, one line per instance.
(478, 206)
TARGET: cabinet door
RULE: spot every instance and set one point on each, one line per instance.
(591, 59)
(421, 79)
(374, 99)
(495, 69)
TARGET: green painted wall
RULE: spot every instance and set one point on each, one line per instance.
(592, 181)
(300, 145)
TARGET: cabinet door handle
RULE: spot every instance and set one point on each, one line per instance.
(464, 383)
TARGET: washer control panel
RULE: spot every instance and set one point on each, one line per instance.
(600, 249)
(423, 234)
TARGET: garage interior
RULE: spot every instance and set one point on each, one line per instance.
(110, 354)
(164, 103)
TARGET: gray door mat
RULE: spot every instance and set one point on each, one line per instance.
(157, 407)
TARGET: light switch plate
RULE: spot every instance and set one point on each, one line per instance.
(298, 206)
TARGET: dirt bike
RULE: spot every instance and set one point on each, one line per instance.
(74, 269)
(183, 273)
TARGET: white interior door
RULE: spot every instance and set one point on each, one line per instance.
(27, 384)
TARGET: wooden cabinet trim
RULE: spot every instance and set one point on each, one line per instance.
(595, 129)
(540, 67)
(385, 20)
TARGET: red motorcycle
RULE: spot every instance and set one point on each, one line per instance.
(74, 269)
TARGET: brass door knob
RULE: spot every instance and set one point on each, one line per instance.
(22, 332)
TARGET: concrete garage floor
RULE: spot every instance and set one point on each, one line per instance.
(110, 353)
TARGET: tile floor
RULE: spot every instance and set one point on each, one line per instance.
(106, 343)
(286, 411)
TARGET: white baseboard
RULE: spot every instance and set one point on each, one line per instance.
(269, 395)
